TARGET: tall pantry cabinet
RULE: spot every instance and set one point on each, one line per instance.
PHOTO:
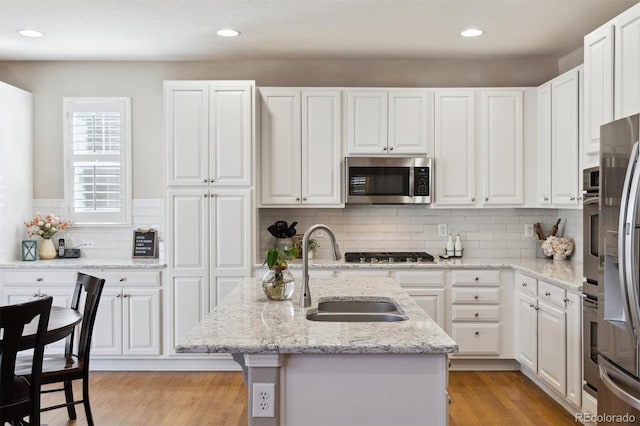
(209, 132)
(16, 167)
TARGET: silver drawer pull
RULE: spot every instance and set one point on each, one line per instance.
(476, 279)
(477, 333)
(126, 295)
(531, 305)
(123, 279)
(35, 294)
(475, 297)
(39, 279)
(524, 284)
(118, 295)
(476, 315)
(546, 293)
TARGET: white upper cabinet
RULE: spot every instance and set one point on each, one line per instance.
(301, 147)
(454, 147)
(627, 63)
(544, 145)
(389, 122)
(565, 140)
(209, 134)
(558, 141)
(598, 85)
(502, 147)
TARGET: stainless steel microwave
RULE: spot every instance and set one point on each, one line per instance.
(388, 180)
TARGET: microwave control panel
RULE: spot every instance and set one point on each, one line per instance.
(421, 181)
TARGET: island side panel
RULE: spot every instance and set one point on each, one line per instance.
(371, 389)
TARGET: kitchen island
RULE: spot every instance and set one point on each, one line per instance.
(338, 373)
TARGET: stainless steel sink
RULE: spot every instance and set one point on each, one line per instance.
(357, 311)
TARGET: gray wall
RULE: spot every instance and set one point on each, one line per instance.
(142, 81)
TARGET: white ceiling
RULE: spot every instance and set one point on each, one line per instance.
(177, 30)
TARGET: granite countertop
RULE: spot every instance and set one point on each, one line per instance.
(247, 322)
(565, 274)
(84, 263)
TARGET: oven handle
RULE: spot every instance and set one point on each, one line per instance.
(590, 200)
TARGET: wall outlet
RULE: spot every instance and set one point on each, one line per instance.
(263, 400)
(528, 230)
(442, 230)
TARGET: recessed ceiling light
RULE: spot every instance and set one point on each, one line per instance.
(30, 33)
(471, 32)
(228, 32)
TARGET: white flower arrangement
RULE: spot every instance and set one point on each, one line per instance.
(556, 245)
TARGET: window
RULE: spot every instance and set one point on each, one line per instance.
(97, 147)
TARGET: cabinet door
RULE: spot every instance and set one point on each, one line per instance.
(187, 121)
(411, 122)
(502, 147)
(544, 145)
(281, 147)
(431, 300)
(230, 242)
(188, 251)
(230, 135)
(527, 331)
(598, 85)
(552, 355)
(367, 122)
(564, 140)
(141, 320)
(189, 302)
(219, 287)
(321, 147)
(454, 148)
(107, 330)
(574, 349)
(627, 63)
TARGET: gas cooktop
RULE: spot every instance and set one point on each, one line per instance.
(387, 257)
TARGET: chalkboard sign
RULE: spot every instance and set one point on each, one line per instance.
(145, 243)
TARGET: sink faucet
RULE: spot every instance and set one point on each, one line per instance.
(305, 294)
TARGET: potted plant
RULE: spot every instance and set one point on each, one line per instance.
(313, 246)
(559, 248)
(278, 282)
(46, 227)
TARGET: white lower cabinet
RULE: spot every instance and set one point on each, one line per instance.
(128, 319)
(427, 290)
(476, 319)
(549, 338)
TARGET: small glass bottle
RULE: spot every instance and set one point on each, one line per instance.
(450, 246)
(457, 247)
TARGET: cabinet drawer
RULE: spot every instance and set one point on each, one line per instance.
(420, 278)
(474, 277)
(527, 285)
(40, 277)
(475, 313)
(475, 295)
(551, 294)
(481, 339)
(127, 277)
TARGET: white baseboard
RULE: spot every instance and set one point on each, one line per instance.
(458, 364)
(165, 364)
(574, 411)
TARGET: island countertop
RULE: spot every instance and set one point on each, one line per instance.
(247, 322)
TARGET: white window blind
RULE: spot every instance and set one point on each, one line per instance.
(97, 151)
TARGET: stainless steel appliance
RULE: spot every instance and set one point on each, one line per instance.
(618, 308)
(387, 257)
(591, 263)
(388, 180)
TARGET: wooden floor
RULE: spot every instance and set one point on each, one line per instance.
(193, 398)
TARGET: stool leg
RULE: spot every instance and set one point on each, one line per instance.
(68, 394)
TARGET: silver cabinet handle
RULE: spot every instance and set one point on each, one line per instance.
(205, 180)
(35, 294)
(123, 279)
(118, 295)
(125, 295)
(384, 148)
(486, 198)
(531, 305)
(212, 180)
(476, 279)
(391, 149)
(546, 293)
(524, 284)
(566, 299)
(572, 198)
(297, 198)
(206, 195)
(476, 315)
(477, 333)
(473, 199)
(39, 279)
(304, 198)
(475, 297)
(546, 198)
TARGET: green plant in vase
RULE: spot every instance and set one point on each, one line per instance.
(278, 283)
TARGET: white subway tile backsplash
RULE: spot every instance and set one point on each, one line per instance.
(484, 232)
(109, 242)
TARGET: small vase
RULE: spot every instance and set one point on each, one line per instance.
(278, 284)
(558, 256)
(47, 250)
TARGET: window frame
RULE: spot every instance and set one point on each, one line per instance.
(76, 104)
